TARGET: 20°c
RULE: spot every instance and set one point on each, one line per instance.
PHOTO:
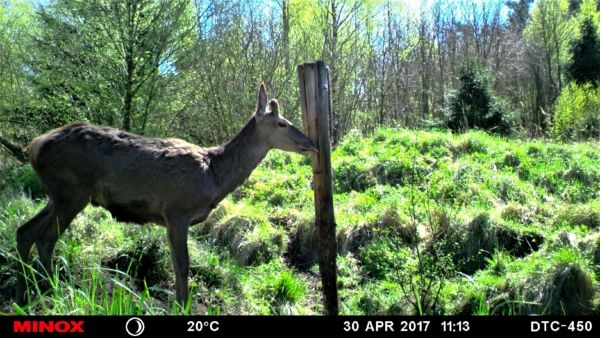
(198, 326)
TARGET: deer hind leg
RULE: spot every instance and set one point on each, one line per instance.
(177, 230)
(27, 234)
(67, 207)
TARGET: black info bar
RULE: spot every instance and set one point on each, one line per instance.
(331, 326)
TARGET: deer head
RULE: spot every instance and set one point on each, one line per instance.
(278, 132)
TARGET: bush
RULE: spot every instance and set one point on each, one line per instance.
(247, 233)
(568, 291)
(353, 175)
(576, 215)
(383, 257)
(142, 262)
(472, 245)
(475, 106)
(559, 283)
(585, 64)
(576, 113)
(22, 178)
(285, 288)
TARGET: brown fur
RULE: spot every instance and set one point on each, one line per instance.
(140, 179)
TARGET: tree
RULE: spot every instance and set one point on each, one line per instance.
(17, 99)
(549, 31)
(585, 65)
(345, 26)
(189, 68)
(109, 62)
(425, 56)
(519, 14)
(240, 45)
(474, 105)
(548, 35)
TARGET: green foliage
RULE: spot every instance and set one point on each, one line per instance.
(519, 13)
(583, 214)
(383, 258)
(285, 288)
(585, 64)
(250, 238)
(275, 289)
(16, 20)
(474, 105)
(488, 216)
(190, 69)
(557, 283)
(209, 270)
(22, 178)
(472, 245)
(108, 63)
(548, 36)
(576, 113)
(550, 29)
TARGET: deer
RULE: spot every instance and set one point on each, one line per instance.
(138, 179)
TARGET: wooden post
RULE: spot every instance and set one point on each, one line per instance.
(316, 107)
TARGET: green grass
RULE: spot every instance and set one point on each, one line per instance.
(428, 223)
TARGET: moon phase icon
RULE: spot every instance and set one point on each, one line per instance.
(134, 326)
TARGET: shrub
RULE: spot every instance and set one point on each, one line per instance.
(142, 262)
(22, 178)
(474, 105)
(568, 290)
(585, 65)
(473, 244)
(576, 113)
(285, 287)
(247, 233)
(353, 175)
(382, 258)
(576, 215)
(541, 284)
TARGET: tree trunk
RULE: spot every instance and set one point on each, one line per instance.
(285, 18)
(128, 100)
(334, 71)
(425, 56)
(14, 150)
(129, 65)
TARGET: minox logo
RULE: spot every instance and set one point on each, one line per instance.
(48, 326)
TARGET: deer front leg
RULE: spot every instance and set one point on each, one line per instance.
(177, 229)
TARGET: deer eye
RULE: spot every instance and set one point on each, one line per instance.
(282, 124)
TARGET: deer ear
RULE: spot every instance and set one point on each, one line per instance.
(274, 107)
(262, 101)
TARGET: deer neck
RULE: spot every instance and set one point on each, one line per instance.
(234, 161)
